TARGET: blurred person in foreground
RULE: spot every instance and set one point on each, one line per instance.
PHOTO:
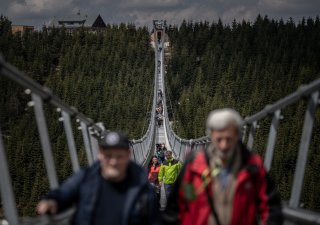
(114, 190)
(225, 184)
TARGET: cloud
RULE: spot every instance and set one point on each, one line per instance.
(143, 4)
(38, 8)
(239, 13)
(174, 16)
(291, 6)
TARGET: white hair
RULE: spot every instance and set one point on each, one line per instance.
(220, 119)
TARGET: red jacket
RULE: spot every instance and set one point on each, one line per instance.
(255, 196)
(153, 174)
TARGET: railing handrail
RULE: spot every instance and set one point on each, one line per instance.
(303, 91)
(301, 216)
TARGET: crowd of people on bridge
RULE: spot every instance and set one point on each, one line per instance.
(163, 170)
(224, 184)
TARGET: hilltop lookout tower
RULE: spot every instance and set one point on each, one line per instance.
(159, 33)
(159, 29)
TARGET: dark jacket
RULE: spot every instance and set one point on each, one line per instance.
(82, 190)
(255, 195)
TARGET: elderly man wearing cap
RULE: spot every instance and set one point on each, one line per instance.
(114, 190)
(225, 184)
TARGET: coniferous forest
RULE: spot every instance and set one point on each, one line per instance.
(109, 77)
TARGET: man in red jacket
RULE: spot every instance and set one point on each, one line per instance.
(226, 184)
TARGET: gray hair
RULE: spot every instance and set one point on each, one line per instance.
(220, 119)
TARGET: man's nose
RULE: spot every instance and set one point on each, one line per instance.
(223, 145)
(113, 161)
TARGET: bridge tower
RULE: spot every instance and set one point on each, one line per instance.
(159, 30)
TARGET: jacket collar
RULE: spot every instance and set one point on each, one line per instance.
(199, 164)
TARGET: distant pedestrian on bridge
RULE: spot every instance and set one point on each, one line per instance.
(114, 190)
(225, 184)
(160, 153)
(160, 94)
(159, 119)
(163, 147)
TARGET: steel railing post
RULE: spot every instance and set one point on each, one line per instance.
(137, 151)
(140, 151)
(7, 196)
(252, 135)
(133, 153)
(244, 133)
(70, 141)
(272, 139)
(94, 146)
(303, 150)
(86, 140)
(190, 143)
(45, 142)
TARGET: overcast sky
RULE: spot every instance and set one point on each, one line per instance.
(142, 12)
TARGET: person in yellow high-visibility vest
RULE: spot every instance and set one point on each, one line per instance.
(169, 172)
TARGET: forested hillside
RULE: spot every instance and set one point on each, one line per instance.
(108, 76)
(246, 66)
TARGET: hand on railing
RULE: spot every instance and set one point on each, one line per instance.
(49, 206)
(63, 218)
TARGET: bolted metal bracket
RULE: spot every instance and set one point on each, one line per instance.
(27, 91)
(30, 104)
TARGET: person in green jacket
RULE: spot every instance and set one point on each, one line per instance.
(169, 172)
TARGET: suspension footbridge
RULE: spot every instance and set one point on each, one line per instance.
(144, 148)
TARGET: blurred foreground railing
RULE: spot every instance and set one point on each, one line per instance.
(90, 132)
(39, 96)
